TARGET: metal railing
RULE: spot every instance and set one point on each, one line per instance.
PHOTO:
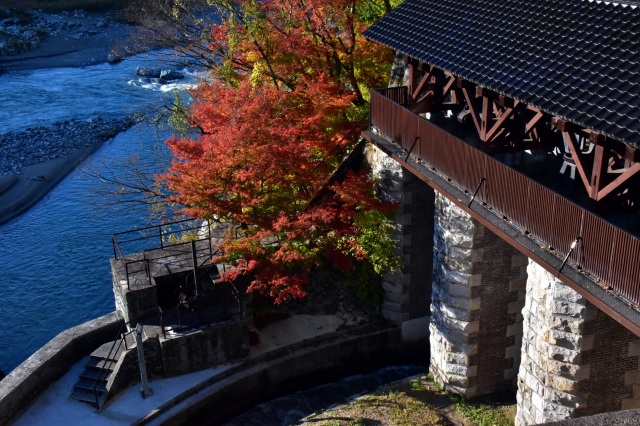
(158, 236)
(168, 237)
(604, 252)
(108, 362)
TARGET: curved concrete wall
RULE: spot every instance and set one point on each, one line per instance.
(283, 370)
(24, 384)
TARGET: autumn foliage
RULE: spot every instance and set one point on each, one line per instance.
(290, 80)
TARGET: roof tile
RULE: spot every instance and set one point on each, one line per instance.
(576, 59)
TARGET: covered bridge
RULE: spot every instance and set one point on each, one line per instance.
(515, 130)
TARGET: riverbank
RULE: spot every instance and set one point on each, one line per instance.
(74, 39)
(35, 160)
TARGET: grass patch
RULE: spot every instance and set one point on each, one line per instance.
(482, 414)
(418, 402)
(56, 6)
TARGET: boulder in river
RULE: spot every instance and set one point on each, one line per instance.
(148, 72)
(170, 75)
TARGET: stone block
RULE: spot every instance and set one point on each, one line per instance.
(566, 324)
(564, 355)
(588, 341)
(455, 358)
(391, 287)
(567, 370)
(565, 340)
(463, 327)
(562, 383)
(518, 284)
(477, 255)
(570, 309)
(512, 352)
(456, 314)
(461, 254)
(563, 292)
(394, 316)
(513, 330)
(397, 298)
(467, 392)
(537, 402)
(464, 303)
(510, 373)
(459, 290)
(452, 264)
(531, 382)
(403, 219)
(518, 260)
(630, 403)
(634, 348)
(397, 278)
(632, 377)
(457, 236)
(475, 280)
(515, 307)
(456, 369)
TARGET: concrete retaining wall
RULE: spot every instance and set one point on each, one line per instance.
(24, 384)
(280, 371)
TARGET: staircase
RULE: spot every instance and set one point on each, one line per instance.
(97, 371)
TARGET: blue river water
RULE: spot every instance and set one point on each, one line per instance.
(54, 258)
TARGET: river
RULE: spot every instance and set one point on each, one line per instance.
(54, 258)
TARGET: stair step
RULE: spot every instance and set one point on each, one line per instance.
(94, 373)
(86, 396)
(87, 384)
(108, 351)
(99, 364)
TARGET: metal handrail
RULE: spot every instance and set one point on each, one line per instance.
(159, 236)
(121, 337)
(102, 374)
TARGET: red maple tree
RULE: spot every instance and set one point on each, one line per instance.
(291, 77)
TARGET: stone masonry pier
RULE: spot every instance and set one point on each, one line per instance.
(498, 320)
(576, 360)
(478, 293)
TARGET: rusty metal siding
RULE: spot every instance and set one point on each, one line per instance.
(596, 247)
(507, 192)
(605, 252)
(625, 265)
(539, 216)
(567, 224)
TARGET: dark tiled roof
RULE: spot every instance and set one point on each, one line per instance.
(576, 59)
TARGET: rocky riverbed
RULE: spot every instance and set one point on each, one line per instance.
(23, 34)
(38, 144)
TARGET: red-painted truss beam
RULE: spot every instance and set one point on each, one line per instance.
(504, 124)
(606, 167)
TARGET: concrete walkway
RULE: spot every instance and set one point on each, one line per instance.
(54, 407)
